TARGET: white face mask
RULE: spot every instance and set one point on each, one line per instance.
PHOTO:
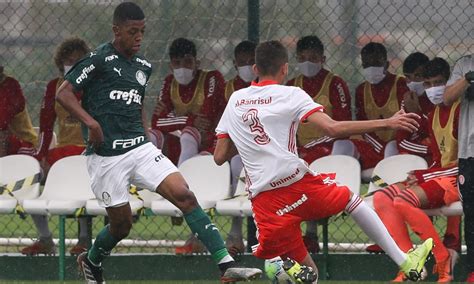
(435, 94)
(67, 68)
(416, 87)
(183, 75)
(309, 69)
(246, 73)
(374, 75)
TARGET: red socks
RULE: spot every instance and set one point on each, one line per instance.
(383, 205)
(408, 206)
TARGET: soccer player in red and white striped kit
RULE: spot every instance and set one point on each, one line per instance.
(260, 123)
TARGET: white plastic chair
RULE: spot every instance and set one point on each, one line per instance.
(208, 181)
(67, 189)
(454, 209)
(148, 197)
(347, 170)
(14, 168)
(239, 205)
(394, 169)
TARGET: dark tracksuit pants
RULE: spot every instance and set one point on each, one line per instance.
(466, 187)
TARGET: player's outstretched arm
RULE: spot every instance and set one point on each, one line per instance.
(225, 150)
(332, 128)
(454, 92)
(65, 96)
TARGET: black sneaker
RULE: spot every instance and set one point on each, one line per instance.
(92, 274)
(300, 273)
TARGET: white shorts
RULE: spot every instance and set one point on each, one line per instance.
(144, 166)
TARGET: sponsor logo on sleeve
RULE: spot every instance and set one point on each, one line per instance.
(85, 73)
(143, 62)
(110, 57)
(128, 97)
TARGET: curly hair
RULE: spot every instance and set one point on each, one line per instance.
(67, 48)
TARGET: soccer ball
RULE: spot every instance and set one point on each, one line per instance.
(275, 272)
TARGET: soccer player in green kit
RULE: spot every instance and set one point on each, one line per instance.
(113, 80)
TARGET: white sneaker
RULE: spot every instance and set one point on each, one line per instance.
(234, 274)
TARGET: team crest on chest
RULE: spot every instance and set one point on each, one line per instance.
(141, 77)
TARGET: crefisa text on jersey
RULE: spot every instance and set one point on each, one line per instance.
(129, 97)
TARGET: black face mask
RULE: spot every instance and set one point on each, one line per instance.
(470, 92)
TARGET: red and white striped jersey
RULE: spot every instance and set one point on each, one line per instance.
(262, 121)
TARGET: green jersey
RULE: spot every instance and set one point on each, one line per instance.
(113, 91)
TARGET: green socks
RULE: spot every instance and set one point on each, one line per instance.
(197, 220)
(207, 232)
(102, 246)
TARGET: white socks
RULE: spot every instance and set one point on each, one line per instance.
(371, 224)
(390, 149)
(157, 138)
(235, 170)
(344, 147)
(189, 147)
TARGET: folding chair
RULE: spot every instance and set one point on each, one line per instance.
(19, 180)
(347, 170)
(65, 193)
(239, 204)
(391, 170)
(208, 181)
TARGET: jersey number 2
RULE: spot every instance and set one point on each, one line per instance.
(256, 127)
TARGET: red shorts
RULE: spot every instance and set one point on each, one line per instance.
(58, 153)
(440, 191)
(278, 214)
(368, 156)
(315, 152)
